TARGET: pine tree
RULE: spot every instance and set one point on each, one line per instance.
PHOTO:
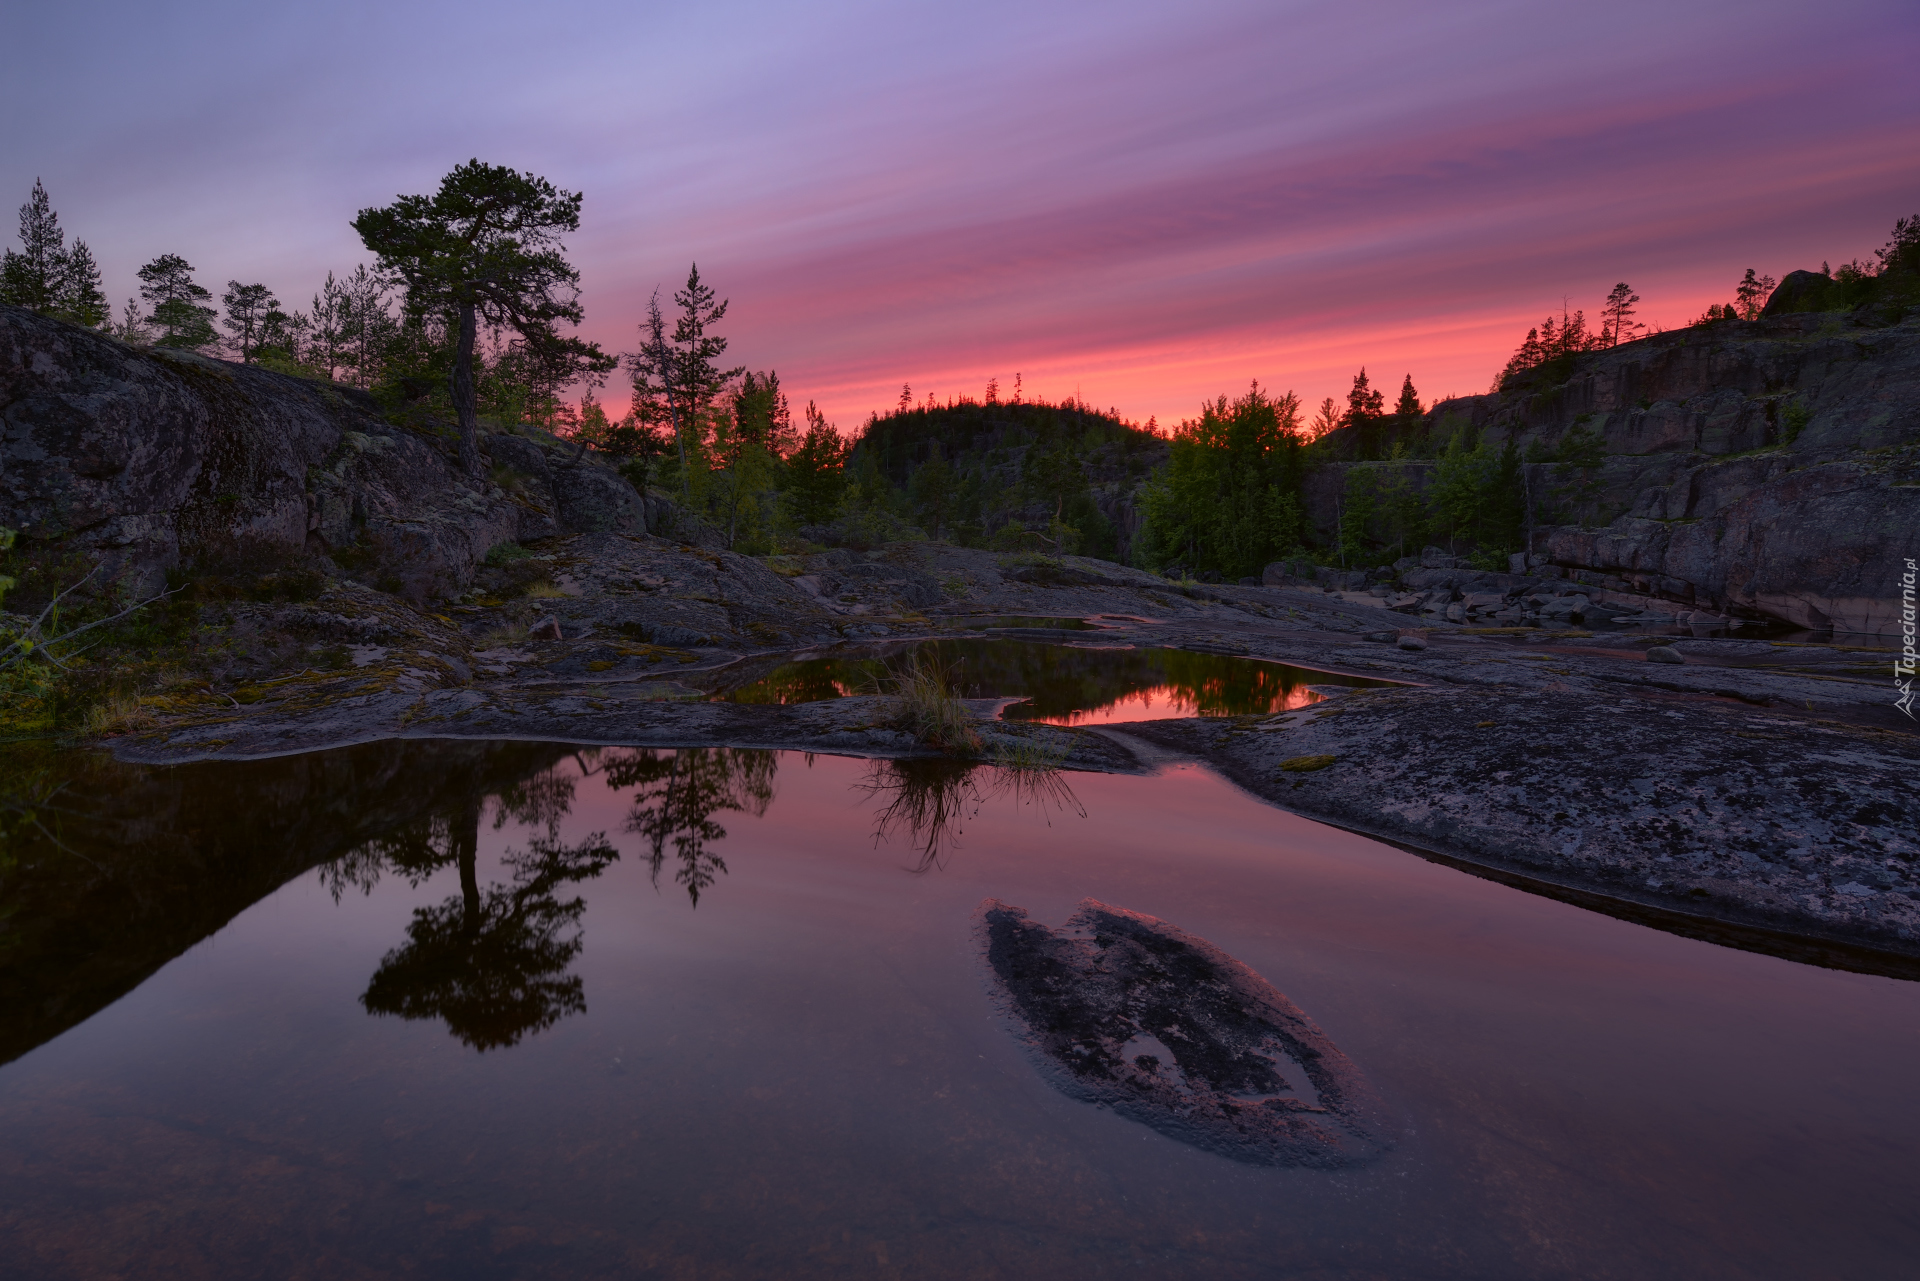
(81, 299)
(1407, 414)
(1365, 410)
(1751, 294)
(816, 477)
(693, 378)
(486, 247)
(179, 305)
(32, 278)
(1618, 323)
(1325, 419)
(248, 307)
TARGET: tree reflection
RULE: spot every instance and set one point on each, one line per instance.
(676, 795)
(929, 800)
(491, 963)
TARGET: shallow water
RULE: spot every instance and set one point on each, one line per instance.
(1077, 684)
(731, 1033)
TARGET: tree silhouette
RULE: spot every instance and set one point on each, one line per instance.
(486, 246)
(676, 797)
(491, 963)
(179, 304)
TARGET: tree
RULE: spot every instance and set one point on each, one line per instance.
(492, 963)
(486, 247)
(1227, 499)
(1751, 294)
(1407, 414)
(81, 300)
(693, 378)
(1365, 410)
(32, 277)
(1356, 513)
(46, 276)
(750, 442)
(934, 489)
(816, 476)
(248, 307)
(180, 308)
(1618, 324)
(1325, 419)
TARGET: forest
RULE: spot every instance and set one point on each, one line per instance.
(456, 330)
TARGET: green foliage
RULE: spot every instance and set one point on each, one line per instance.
(1794, 421)
(1356, 513)
(502, 554)
(46, 276)
(1228, 499)
(179, 304)
(815, 481)
(486, 248)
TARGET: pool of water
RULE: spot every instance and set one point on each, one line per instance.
(1079, 684)
(518, 1010)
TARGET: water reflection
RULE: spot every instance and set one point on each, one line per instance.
(927, 801)
(494, 962)
(676, 795)
(1059, 684)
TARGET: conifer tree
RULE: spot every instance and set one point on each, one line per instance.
(32, 277)
(486, 247)
(1751, 294)
(248, 307)
(816, 478)
(180, 310)
(1325, 419)
(693, 379)
(1365, 408)
(1406, 414)
(1617, 325)
(46, 276)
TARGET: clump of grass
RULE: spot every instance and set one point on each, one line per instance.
(928, 708)
(543, 589)
(510, 634)
(117, 714)
(1030, 756)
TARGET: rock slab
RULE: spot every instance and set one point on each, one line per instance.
(1245, 1073)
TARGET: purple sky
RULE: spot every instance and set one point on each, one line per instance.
(1150, 205)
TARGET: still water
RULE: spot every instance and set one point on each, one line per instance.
(517, 1010)
(1082, 684)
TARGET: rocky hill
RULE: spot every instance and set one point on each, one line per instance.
(150, 460)
(1769, 468)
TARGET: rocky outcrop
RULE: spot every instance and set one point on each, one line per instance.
(1765, 469)
(150, 460)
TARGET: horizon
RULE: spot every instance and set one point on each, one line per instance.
(1140, 212)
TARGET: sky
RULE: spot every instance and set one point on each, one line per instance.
(1142, 205)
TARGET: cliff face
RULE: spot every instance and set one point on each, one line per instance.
(1767, 468)
(149, 460)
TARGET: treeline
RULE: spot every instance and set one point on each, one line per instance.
(1014, 475)
(459, 318)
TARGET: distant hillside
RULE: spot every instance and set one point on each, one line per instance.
(979, 473)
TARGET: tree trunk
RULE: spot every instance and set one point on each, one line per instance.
(464, 836)
(462, 388)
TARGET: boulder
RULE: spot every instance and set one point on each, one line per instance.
(1664, 654)
(149, 460)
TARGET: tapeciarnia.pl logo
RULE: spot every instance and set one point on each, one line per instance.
(1903, 666)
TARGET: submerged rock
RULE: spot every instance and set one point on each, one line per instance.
(1126, 1011)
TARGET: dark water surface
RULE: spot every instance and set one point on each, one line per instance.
(1080, 684)
(512, 1010)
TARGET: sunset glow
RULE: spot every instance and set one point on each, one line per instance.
(1137, 205)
